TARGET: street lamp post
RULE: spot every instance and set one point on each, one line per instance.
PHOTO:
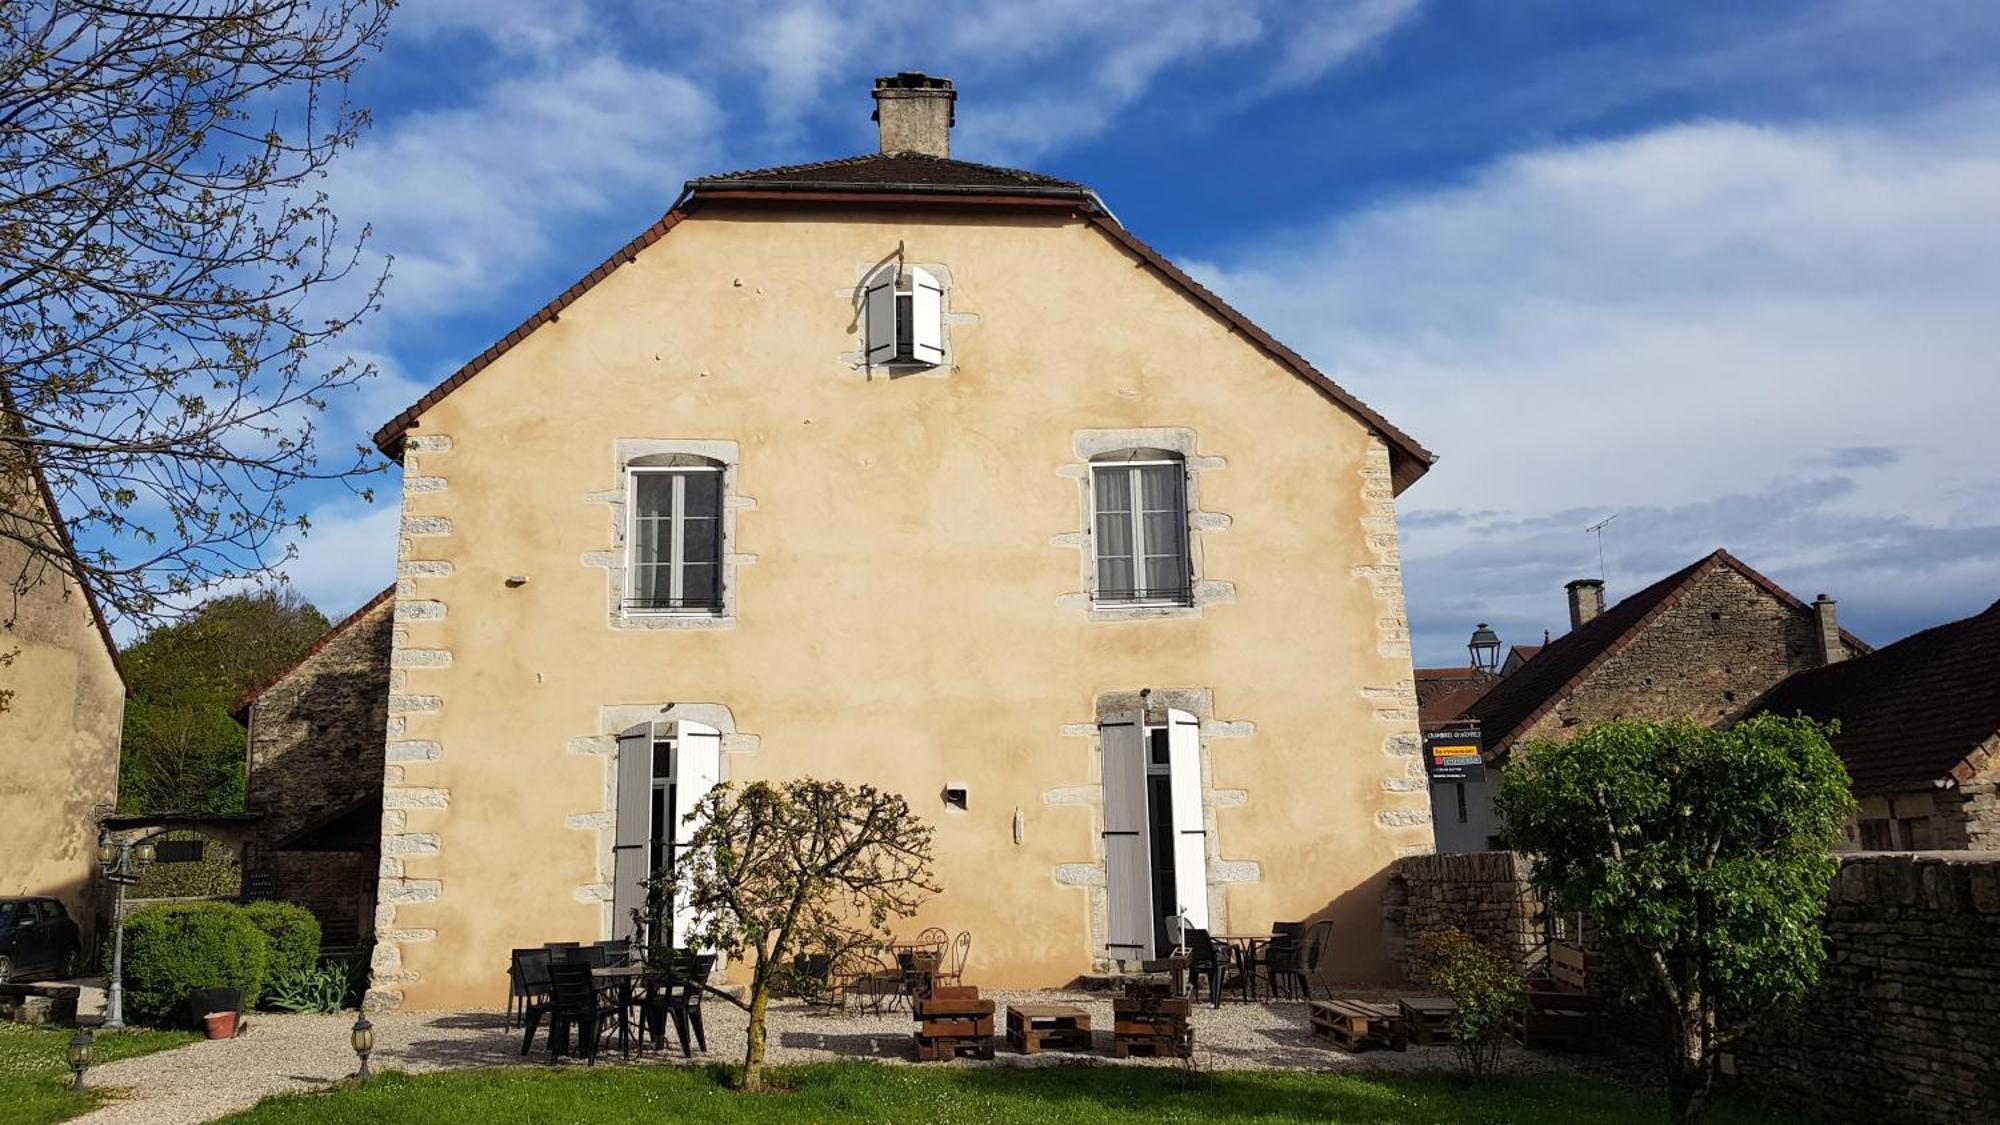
(122, 862)
(1485, 649)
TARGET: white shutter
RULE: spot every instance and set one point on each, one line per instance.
(697, 769)
(1190, 836)
(631, 827)
(1128, 873)
(879, 316)
(926, 317)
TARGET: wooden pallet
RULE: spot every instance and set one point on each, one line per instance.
(1428, 1018)
(1177, 1006)
(1033, 1028)
(1559, 1018)
(1355, 1025)
(1153, 1046)
(953, 1022)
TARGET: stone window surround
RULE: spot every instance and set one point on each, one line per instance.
(614, 720)
(856, 298)
(1092, 877)
(628, 452)
(1180, 441)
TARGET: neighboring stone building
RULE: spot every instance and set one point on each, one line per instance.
(315, 775)
(62, 703)
(1920, 733)
(910, 471)
(1702, 643)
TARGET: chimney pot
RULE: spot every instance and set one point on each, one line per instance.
(915, 112)
(1586, 600)
(1826, 623)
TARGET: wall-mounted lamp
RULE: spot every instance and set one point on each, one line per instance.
(956, 795)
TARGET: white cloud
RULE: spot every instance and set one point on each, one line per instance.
(348, 555)
(1331, 34)
(469, 198)
(1642, 324)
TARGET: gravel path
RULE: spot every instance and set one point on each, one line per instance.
(283, 1053)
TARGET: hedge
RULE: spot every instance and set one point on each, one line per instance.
(293, 933)
(174, 949)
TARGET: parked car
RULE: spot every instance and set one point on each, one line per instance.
(38, 939)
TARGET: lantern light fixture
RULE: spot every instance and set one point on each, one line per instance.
(79, 1051)
(1485, 648)
(362, 1039)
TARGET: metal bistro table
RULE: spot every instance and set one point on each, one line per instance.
(1246, 947)
(623, 978)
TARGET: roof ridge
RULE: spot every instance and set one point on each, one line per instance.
(334, 630)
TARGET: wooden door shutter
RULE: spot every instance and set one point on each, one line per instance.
(697, 769)
(1190, 833)
(1128, 873)
(632, 827)
(879, 316)
(926, 317)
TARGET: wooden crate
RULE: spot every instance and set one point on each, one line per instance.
(1151, 1020)
(1033, 1028)
(1428, 1018)
(1355, 1025)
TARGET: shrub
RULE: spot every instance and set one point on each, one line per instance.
(293, 932)
(322, 989)
(1486, 986)
(172, 950)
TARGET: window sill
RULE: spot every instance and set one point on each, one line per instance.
(672, 619)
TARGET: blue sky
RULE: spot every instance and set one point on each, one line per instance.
(1730, 271)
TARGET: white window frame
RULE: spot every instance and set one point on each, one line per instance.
(676, 542)
(1184, 595)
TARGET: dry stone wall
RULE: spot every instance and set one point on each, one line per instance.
(1484, 894)
(1905, 1025)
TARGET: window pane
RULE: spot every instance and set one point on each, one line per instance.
(663, 760)
(699, 584)
(649, 584)
(1113, 489)
(1114, 578)
(1166, 576)
(1160, 487)
(652, 493)
(704, 494)
(701, 540)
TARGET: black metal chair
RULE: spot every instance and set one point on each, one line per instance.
(531, 975)
(1279, 959)
(678, 997)
(1318, 939)
(560, 951)
(617, 951)
(1205, 958)
(577, 1007)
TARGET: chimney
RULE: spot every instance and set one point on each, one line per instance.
(1827, 624)
(915, 113)
(1586, 600)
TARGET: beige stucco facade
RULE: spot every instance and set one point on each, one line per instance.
(908, 577)
(63, 710)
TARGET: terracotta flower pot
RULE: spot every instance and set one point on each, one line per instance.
(221, 1025)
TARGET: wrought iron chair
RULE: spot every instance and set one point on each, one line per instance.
(951, 966)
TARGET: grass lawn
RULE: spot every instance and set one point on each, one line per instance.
(34, 1076)
(860, 1091)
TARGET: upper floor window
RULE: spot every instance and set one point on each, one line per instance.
(1139, 528)
(904, 308)
(675, 561)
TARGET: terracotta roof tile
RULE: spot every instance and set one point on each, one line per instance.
(908, 169)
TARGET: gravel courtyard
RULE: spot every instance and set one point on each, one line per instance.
(284, 1053)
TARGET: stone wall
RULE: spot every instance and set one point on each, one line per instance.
(1706, 656)
(1484, 894)
(1968, 815)
(316, 768)
(1905, 1025)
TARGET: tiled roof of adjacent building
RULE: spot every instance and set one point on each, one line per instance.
(1516, 702)
(1445, 693)
(1910, 713)
(904, 170)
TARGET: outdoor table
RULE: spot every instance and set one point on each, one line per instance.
(622, 978)
(1246, 946)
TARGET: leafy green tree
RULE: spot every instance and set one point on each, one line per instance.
(1487, 988)
(182, 752)
(773, 869)
(1702, 858)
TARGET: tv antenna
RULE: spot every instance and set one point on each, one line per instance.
(1597, 529)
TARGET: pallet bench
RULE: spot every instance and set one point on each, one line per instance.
(952, 1021)
(1151, 1022)
(1428, 1018)
(1033, 1028)
(1355, 1025)
(1562, 1012)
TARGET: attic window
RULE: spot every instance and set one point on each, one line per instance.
(905, 317)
